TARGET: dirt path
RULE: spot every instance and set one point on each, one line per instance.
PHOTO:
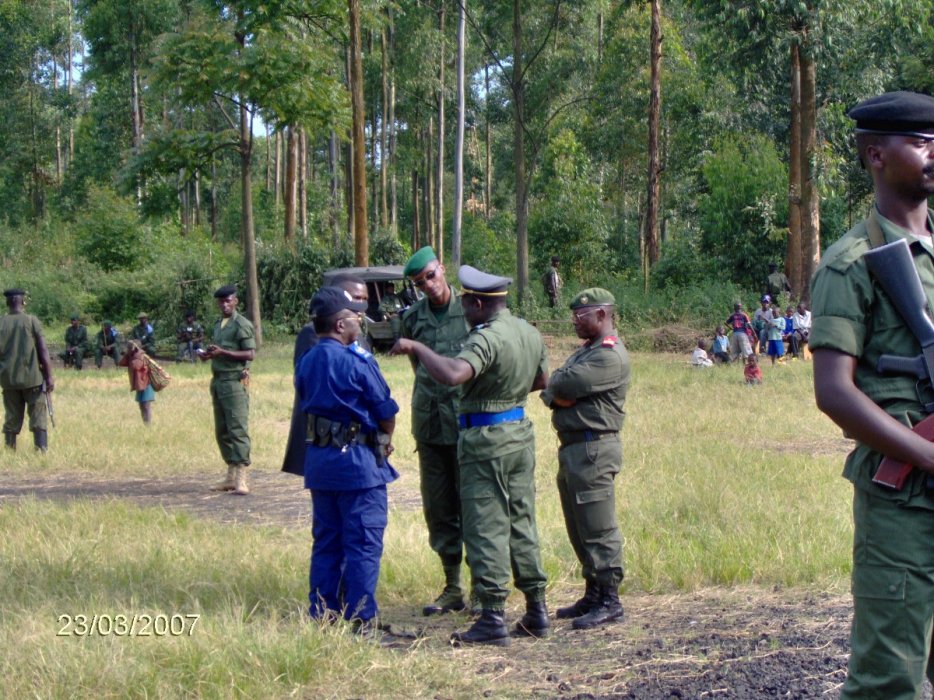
(741, 643)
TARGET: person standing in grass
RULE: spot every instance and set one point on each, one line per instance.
(720, 348)
(233, 349)
(587, 398)
(351, 417)
(776, 348)
(25, 372)
(739, 324)
(853, 322)
(503, 359)
(437, 320)
(138, 370)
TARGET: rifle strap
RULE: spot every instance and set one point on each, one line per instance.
(876, 237)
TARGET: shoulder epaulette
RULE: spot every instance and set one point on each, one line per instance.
(609, 341)
(359, 351)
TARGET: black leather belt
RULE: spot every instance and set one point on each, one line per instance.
(572, 438)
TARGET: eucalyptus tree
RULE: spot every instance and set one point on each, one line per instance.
(240, 57)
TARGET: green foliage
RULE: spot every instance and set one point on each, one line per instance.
(287, 280)
(387, 249)
(743, 207)
(109, 233)
(490, 245)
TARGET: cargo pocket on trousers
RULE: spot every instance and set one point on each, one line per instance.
(374, 524)
(879, 582)
(595, 508)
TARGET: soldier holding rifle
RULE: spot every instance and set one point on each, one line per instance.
(854, 323)
(25, 373)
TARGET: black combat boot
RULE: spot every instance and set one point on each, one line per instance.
(490, 628)
(607, 610)
(583, 606)
(40, 439)
(535, 622)
(9, 440)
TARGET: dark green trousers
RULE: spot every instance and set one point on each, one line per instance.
(500, 534)
(586, 472)
(231, 403)
(16, 402)
(441, 503)
(893, 599)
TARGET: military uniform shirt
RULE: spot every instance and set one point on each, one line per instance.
(19, 359)
(76, 337)
(850, 314)
(506, 355)
(596, 377)
(434, 405)
(343, 383)
(236, 334)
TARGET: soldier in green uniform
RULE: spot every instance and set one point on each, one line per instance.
(853, 322)
(437, 321)
(776, 283)
(76, 343)
(233, 349)
(107, 343)
(143, 333)
(24, 366)
(502, 361)
(587, 396)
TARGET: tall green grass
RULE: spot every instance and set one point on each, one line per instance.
(722, 485)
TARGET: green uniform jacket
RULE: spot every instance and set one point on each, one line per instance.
(434, 405)
(596, 377)
(850, 314)
(237, 334)
(113, 340)
(19, 359)
(76, 337)
(506, 354)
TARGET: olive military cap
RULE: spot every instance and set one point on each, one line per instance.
(225, 291)
(75, 317)
(481, 283)
(594, 296)
(900, 112)
(419, 260)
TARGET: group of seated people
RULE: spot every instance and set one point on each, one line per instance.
(108, 342)
(767, 333)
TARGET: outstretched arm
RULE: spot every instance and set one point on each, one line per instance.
(450, 371)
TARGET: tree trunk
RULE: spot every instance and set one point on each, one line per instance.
(429, 191)
(196, 207)
(416, 213)
(522, 197)
(652, 247)
(275, 199)
(394, 195)
(439, 173)
(291, 177)
(333, 166)
(183, 207)
(488, 170)
(383, 135)
(361, 242)
(136, 121)
(213, 199)
(810, 203)
(459, 144)
(302, 184)
(69, 77)
(268, 159)
(793, 256)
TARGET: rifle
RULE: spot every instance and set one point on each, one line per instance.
(48, 405)
(894, 270)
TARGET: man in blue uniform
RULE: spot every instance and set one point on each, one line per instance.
(351, 417)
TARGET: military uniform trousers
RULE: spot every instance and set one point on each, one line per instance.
(99, 354)
(586, 472)
(77, 358)
(16, 402)
(231, 412)
(441, 504)
(347, 527)
(498, 512)
(893, 599)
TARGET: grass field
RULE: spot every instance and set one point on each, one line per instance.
(722, 485)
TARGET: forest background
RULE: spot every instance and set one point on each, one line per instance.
(151, 150)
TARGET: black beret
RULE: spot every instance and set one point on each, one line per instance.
(226, 291)
(14, 293)
(900, 112)
(329, 300)
(482, 283)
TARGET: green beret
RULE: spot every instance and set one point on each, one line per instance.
(419, 260)
(107, 323)
(595, 296)
(75, 317)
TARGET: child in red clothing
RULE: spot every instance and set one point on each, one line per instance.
(138, 369)
(751, 371)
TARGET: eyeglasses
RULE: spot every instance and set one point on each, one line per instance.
(579, 315)
(430, 275)
(358, 316)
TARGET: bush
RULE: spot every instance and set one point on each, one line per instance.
(109, 233)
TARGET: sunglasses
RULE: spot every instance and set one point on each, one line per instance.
(580, 315)
(420, 282)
